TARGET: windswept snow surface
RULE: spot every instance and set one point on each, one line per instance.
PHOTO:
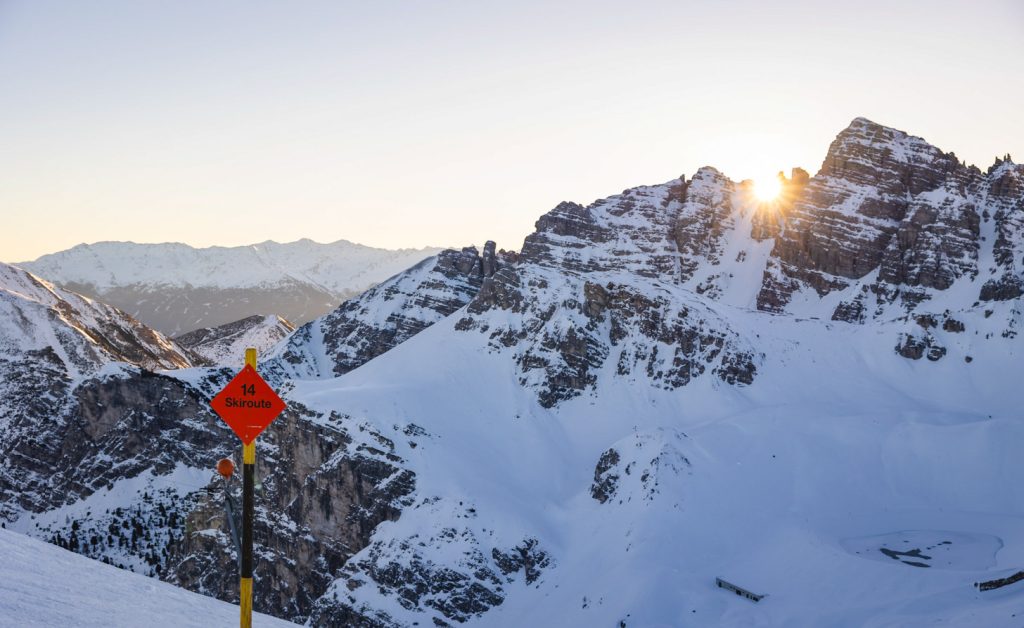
(838, 448)
(43, 585)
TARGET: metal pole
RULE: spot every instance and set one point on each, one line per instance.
(248, 488)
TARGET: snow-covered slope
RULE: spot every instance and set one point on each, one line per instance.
(624, 505)
(44, 586)
(177, 288)
(225, 345)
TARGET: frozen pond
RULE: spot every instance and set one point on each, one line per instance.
(938, 549)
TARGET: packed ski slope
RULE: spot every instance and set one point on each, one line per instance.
(45, 586)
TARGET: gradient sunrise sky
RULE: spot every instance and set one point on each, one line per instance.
(403, 124)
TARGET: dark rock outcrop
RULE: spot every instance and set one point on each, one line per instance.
(605, 482)
(914, 347)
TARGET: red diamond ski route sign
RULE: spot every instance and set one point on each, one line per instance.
(248, 404)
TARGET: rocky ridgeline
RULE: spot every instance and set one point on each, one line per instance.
(386, 315)
(52, 340)
(601, 283)
(107, 458)
(223, 345)
(73, 434)
(84, 334)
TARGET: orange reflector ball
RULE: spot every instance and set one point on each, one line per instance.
(225, 467)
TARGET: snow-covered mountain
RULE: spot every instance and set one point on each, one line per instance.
(77, 332)
(813, 399)
(176, 288)
(225, 345)
(53, 342)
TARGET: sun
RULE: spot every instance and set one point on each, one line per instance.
(767, 189)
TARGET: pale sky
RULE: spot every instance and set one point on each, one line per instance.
(403, 124)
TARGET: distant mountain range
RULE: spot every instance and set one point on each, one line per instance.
(176, 288)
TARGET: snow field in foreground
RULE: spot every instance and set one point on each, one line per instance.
(46, 586)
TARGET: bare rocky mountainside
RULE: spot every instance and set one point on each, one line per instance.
(176, 288)
(670, 385)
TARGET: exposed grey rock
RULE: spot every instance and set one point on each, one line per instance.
(526, 557)
(323, 492)
(953, 325)
(605, 482)
(915, 347)
(702, 220)
(324, 486)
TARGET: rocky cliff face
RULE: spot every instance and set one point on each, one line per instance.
(1003, 191)
(325, 484)
(122, 474)
(147, 442)
(104, 457)
(891, 216)
(50, 341)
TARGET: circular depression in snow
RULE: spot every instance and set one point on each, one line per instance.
(939, 549)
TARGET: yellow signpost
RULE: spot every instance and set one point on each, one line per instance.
(248, 490)
(248, 405)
